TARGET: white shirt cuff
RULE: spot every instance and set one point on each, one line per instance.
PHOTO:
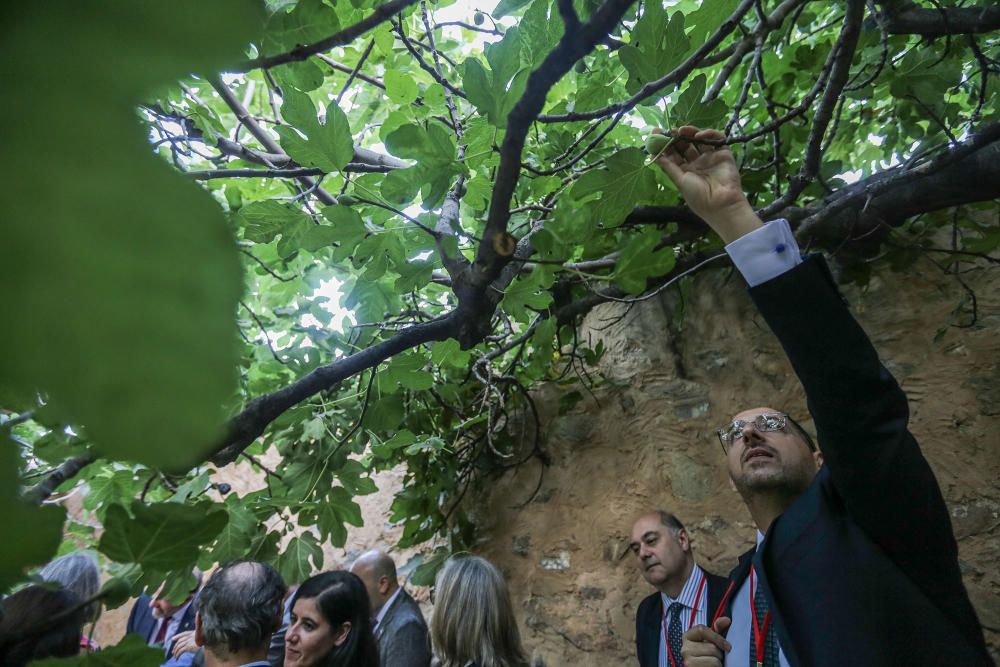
(765, 253)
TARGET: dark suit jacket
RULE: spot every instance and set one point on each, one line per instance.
(862, 568)
(402, 635)
(649, 618)
(142, 623)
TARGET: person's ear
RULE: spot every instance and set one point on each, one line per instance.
(684, 540)
(818, 458)
(199, 637)
(342, 634)
(383, 584)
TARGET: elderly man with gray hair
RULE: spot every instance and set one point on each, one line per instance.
(239, 608)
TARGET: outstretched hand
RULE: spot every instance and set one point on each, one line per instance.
(709, 180)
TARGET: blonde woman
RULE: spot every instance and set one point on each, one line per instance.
(473, 622)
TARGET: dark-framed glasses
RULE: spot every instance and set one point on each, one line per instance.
(761, 423)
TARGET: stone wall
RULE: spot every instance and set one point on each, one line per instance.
(645, 439)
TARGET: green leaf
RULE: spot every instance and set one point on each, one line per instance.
(327, 146)
(131, 261)
(433, 146)
(690, 110)
(530, 292)
(162, 536)
(658, 46)
(508, 7)
(400, 87)
(923, 75)
(131, 651)
(449, 353)
(38, 529)
(304, 75)
(115, 592)
(263, 221)
(425, 568)
(491, 90)
(301, 557)
(237, 535)
(406, 371)
(626, 182)
(707, 18)
(639, 261)
(306, 22)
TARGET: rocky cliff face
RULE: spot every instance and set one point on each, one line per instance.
(644, 439)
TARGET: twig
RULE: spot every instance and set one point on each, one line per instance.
(382, 13)
(267, 336)
(357, 68)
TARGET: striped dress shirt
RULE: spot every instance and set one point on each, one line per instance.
(687, 599)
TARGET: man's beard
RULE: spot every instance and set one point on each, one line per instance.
(787, 483)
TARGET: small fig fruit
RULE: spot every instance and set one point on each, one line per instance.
(580, 67)
(656, 143)
(478, 18)
(347, 200)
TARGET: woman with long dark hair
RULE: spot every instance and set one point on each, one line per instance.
(330, 624)
(37, 622)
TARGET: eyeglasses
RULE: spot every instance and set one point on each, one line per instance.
(760, 423)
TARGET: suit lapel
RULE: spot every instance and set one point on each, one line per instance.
(650, 626)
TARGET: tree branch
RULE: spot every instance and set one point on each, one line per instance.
(263, 137)
(68, 469)
(936, 23)
(840, 73)
(498, 246)
(967, 173)
(345, 36)
(672, 78)
(249, 424)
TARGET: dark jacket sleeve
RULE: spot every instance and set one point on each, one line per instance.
(861, 418)
(407, 646)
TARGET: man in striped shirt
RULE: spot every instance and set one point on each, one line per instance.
(686, 595)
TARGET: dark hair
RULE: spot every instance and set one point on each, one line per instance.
(38, 622)
(241, 605)
(670, 521)
(341, 597)
(802, 433)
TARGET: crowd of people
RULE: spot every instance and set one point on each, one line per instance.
(245, 616)
(855, 561)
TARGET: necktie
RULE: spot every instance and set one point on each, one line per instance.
(161, 634)
(771, 641)
(674, 632)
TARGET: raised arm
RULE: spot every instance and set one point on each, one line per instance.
(859, 410)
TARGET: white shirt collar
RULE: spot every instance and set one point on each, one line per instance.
(690, 591)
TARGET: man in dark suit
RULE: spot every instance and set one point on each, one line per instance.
(157, 620)
(400, 629)
(686, 595)
(856, 564)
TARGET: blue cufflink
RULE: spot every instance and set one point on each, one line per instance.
(779, 248)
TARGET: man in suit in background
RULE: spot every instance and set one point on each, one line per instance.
(686, 595)
(400, 629)
(855, 562)
(157, 619)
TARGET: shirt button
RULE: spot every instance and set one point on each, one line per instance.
(779, 248)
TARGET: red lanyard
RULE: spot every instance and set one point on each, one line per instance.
(694, 613)
(759, 632)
